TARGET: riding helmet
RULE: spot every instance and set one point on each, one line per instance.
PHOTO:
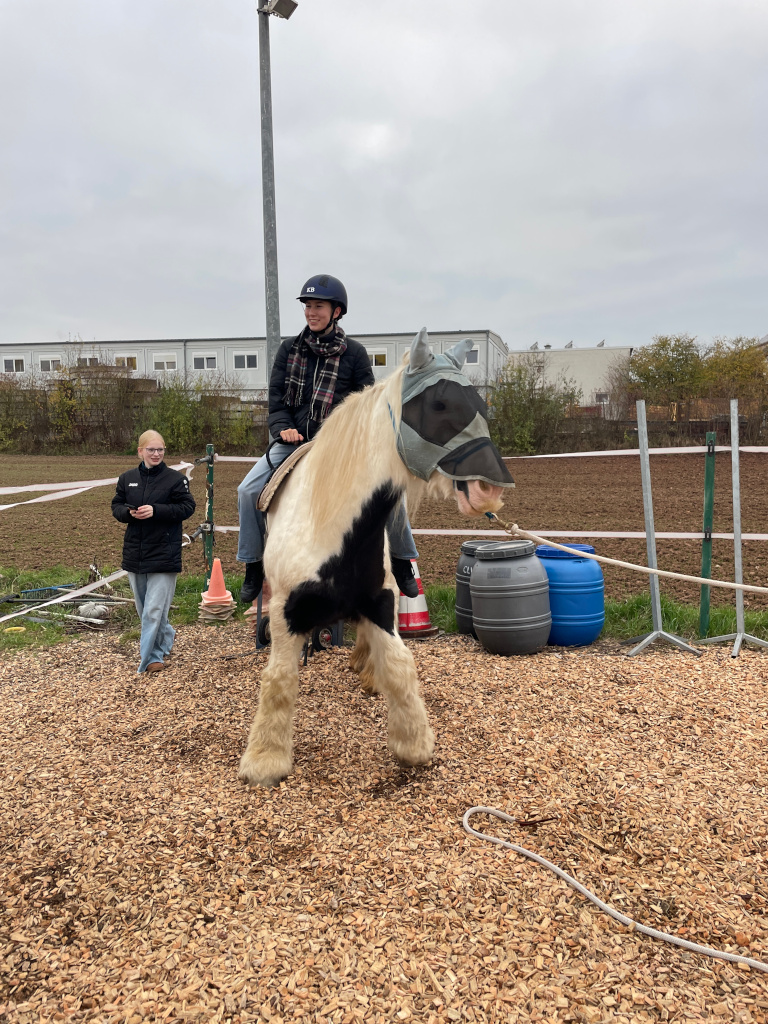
(327, 288)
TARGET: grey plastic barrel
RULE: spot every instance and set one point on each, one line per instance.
(463, 594)
(510, 598)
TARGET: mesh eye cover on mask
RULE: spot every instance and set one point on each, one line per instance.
(476, 460)
(443, 410)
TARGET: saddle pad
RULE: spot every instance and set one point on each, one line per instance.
(272, 485)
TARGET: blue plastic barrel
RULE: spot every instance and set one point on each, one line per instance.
(576, 595)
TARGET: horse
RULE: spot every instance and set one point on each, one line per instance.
(421, 432)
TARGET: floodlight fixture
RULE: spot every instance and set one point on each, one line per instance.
(281, 8)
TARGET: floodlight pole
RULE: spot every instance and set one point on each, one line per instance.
(272, 298)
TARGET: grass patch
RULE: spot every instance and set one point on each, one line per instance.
(627, 619)
(623, 619)
(441, 603)
(21, 632)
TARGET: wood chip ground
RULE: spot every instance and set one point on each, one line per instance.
(140, 881)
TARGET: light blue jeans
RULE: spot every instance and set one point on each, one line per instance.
(153, 593)
(250, 545)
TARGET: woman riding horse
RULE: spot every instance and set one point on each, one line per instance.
(422, 431)
(312, 374)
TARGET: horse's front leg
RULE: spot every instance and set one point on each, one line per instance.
(410, 737)
(268, 757)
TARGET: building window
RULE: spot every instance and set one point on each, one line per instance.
(204, 363)
(48, 365)
(13, 366)
(473, 355)
(127, 362)
(164, 361)
(601, 398)
(247, 362)
(378, 358)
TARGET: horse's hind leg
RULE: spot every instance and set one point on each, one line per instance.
(268, 757)
(410, 737)
(360, 660)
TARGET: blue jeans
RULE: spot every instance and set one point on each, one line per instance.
(153, 593)
(250, 545)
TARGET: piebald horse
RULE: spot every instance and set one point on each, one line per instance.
(421, 432)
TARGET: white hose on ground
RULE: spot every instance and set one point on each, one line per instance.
(693, 947)
(516, 531)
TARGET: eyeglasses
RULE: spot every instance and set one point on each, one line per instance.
(154, 451)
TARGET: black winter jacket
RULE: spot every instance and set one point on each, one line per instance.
(154, 544)
(355, 373)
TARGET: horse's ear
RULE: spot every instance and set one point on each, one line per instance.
(420, 355)
(458, 353)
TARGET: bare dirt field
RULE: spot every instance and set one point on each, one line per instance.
(140, 881)
(551, 494)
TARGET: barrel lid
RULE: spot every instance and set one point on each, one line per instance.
(544, 551)
(505, 549)
(469, 547)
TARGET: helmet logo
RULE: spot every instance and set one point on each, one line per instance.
(309, 289)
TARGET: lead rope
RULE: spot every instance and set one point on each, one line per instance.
(516, 531)
(675, 940)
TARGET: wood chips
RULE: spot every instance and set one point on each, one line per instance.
(140, 881)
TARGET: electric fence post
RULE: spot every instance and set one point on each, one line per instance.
(706, 544)
(206, 528)
(208, 537)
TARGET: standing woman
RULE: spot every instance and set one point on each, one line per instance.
(154, 501)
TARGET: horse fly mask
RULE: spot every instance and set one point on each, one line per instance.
(445, 421)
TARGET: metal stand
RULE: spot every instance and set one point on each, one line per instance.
(650, 540)
(739, 636)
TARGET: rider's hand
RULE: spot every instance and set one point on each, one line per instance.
(291, 436)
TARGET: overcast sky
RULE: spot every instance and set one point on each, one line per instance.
(554, 171)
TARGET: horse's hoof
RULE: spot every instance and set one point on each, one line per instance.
(418, 753)
(265, 770)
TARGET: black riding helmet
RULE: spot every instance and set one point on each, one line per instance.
(329, 289)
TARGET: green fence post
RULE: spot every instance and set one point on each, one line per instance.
(208, 535)
(706, 544)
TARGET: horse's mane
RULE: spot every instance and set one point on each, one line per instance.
(361, 431)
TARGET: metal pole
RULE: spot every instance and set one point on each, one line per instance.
(706, 544)
(272, 300)
(740, 636)
(650, 536)
(658, 632)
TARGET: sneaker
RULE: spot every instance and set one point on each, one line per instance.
(402, 570)
(253, 582)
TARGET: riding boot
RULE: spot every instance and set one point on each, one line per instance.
(252, 584)
(402, 570)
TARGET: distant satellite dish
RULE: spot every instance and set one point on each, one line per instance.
(601, 343)
(569, 345)
(534, 346)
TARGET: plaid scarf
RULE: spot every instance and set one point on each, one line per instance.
(329, 349)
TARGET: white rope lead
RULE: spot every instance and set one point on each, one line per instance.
(516, 531)
(628, 922)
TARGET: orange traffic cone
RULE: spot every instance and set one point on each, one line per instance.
(217, 592)
(217, 604)
(413, 614)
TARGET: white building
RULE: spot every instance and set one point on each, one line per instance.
(243, 361)
(588, 368)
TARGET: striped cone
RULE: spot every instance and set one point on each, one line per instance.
(413, 614)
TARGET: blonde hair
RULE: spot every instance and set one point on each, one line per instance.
(367, 421)
(144, 440)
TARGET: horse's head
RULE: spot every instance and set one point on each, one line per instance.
(444, 428)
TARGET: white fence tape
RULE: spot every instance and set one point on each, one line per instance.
(594, 534)
(749, 450)
(68, 490)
